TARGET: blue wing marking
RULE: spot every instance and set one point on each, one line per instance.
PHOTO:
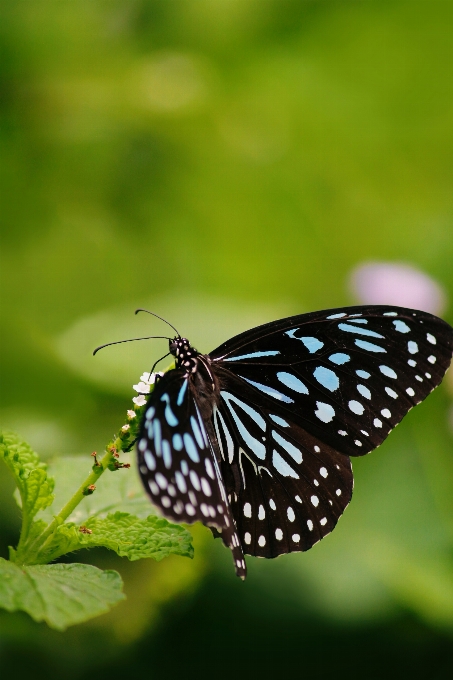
(359, 331)
(270, 391)
(369, 346)
(253, 355)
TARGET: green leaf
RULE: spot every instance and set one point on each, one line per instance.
(127, 535)
(117, 491)
(59, 594)
(30, 474)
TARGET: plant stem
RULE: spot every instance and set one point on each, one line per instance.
(29, 554)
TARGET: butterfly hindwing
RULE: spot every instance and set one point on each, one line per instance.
(177, 464)
(287, 489)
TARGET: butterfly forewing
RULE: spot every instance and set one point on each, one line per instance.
(347, 377)
(178, 465)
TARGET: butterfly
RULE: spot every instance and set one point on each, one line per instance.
(254, 439)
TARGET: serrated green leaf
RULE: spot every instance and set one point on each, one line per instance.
(117, 491)
(59, 594)
(127, 535)
(30, 474)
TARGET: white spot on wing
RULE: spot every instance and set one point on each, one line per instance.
(389, 372)
(180, 482)
(363, 374)
(195, 480)
(209, 468)
(324, 412)
(150, 460)
(356, 407)
(401, 327)
(206, 487)
(154, 488)
(161, 480)
(364, 391)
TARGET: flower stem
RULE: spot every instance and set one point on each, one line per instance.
(29, 554)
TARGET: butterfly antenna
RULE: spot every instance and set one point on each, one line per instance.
(118, 342)
(159, 317)
(156, 362)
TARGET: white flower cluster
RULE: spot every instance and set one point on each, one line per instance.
(143, 387)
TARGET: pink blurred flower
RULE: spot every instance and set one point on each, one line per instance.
(393, 283)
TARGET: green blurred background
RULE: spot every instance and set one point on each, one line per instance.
(225, 163)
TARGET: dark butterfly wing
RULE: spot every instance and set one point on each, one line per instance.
(286, 488)
(302, 394)
(177, 463)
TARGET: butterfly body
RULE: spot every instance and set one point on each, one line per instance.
(255, 438)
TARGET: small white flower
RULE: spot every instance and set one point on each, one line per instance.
(131, 414)
(147, 378)
(125, 427)
(140, 400)
(142, 388)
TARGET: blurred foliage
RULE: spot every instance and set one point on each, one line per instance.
(226, 162)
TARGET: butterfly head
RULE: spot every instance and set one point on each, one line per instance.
(184, 353)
